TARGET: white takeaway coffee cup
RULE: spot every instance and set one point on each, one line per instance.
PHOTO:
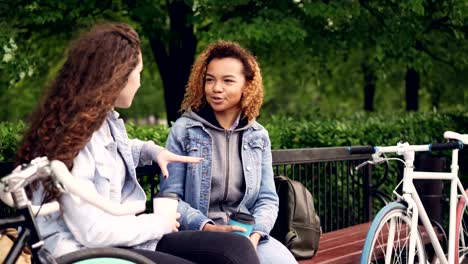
(165, 203)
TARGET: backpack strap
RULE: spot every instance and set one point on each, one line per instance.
(290, 236)
(280, 178)
(291, 187)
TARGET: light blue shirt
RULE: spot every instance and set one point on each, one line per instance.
(107, 163)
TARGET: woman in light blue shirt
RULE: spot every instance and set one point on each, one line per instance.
(77, 124)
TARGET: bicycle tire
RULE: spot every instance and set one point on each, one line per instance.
(104, 256)
(461, 228)
(378, 233)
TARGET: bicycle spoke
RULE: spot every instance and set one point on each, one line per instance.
(391, 239)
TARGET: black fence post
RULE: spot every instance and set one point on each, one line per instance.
(367, 185)
(430, 191)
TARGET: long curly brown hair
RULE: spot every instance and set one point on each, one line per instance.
(252, 94)
(97, 68)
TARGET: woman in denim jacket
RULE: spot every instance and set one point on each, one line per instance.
(222, 100)
(77, 124)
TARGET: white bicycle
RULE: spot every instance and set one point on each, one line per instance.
(395, 235)
(12, 192)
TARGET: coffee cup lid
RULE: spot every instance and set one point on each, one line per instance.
(167, 195)
(243, 217)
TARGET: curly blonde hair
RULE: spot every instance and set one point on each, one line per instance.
(252, 94)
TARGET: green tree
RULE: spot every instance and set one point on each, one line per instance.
(316, 56)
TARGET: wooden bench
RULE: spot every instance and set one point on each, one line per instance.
(342, 197)
(340, 246)
(344, 246)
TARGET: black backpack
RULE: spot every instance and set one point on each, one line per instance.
(297, 225)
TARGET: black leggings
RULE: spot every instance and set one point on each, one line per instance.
(188, 247)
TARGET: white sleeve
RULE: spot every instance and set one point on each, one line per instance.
(94, 228)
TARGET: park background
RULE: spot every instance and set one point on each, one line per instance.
(336, 73)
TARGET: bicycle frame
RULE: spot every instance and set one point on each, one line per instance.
(411, 196)
(28, 235)
(16, 197)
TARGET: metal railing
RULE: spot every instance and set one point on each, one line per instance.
(342, 196)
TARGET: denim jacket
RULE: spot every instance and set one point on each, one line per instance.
(81, 225)
(192, 182)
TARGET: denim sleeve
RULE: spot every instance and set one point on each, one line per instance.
(265, 209)
(191, 219)
(144, 152)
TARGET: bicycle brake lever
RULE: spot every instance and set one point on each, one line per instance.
(376, 159)
(362, 164)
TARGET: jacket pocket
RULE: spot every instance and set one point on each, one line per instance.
(256, 150)
(257, 143)
(191, 147)
(102, 178)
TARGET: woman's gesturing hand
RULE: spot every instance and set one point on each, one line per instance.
(165, 157)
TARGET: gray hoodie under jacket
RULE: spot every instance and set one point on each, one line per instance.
(227, 176)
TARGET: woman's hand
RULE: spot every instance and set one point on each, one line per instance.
(223, 228)
(168, 222)
(165, 157)
(254, 238)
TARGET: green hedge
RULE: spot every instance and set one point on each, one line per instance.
(289, 132)
(10, 135)
(363, 129)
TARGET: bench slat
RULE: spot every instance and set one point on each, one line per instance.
(344, 246)
(340, 246)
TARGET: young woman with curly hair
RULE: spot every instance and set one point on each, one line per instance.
(222, 100)
(77, 124)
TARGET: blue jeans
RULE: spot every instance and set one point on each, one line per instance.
(271, 251)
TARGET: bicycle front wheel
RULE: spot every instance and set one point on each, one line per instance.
(388, 238)
(103, 256)
(461, 246)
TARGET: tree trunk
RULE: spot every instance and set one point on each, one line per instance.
(175, 61)
(412, 89)
(369, 87)
(436, 94)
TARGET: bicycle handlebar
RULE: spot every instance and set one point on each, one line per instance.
(400, 148)
(79, 189)
(448, 145)
(361, 150)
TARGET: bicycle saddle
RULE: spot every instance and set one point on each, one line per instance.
(454, 135)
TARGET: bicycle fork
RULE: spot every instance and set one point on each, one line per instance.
(414, 212)
(395, 227)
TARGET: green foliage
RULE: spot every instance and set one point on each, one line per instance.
(287, 132)
(10, 135)
(158, 133)
(311, 52)
(362, 129)
(33, 42)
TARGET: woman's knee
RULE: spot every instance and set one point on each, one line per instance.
(273, 251)
(239, 249)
